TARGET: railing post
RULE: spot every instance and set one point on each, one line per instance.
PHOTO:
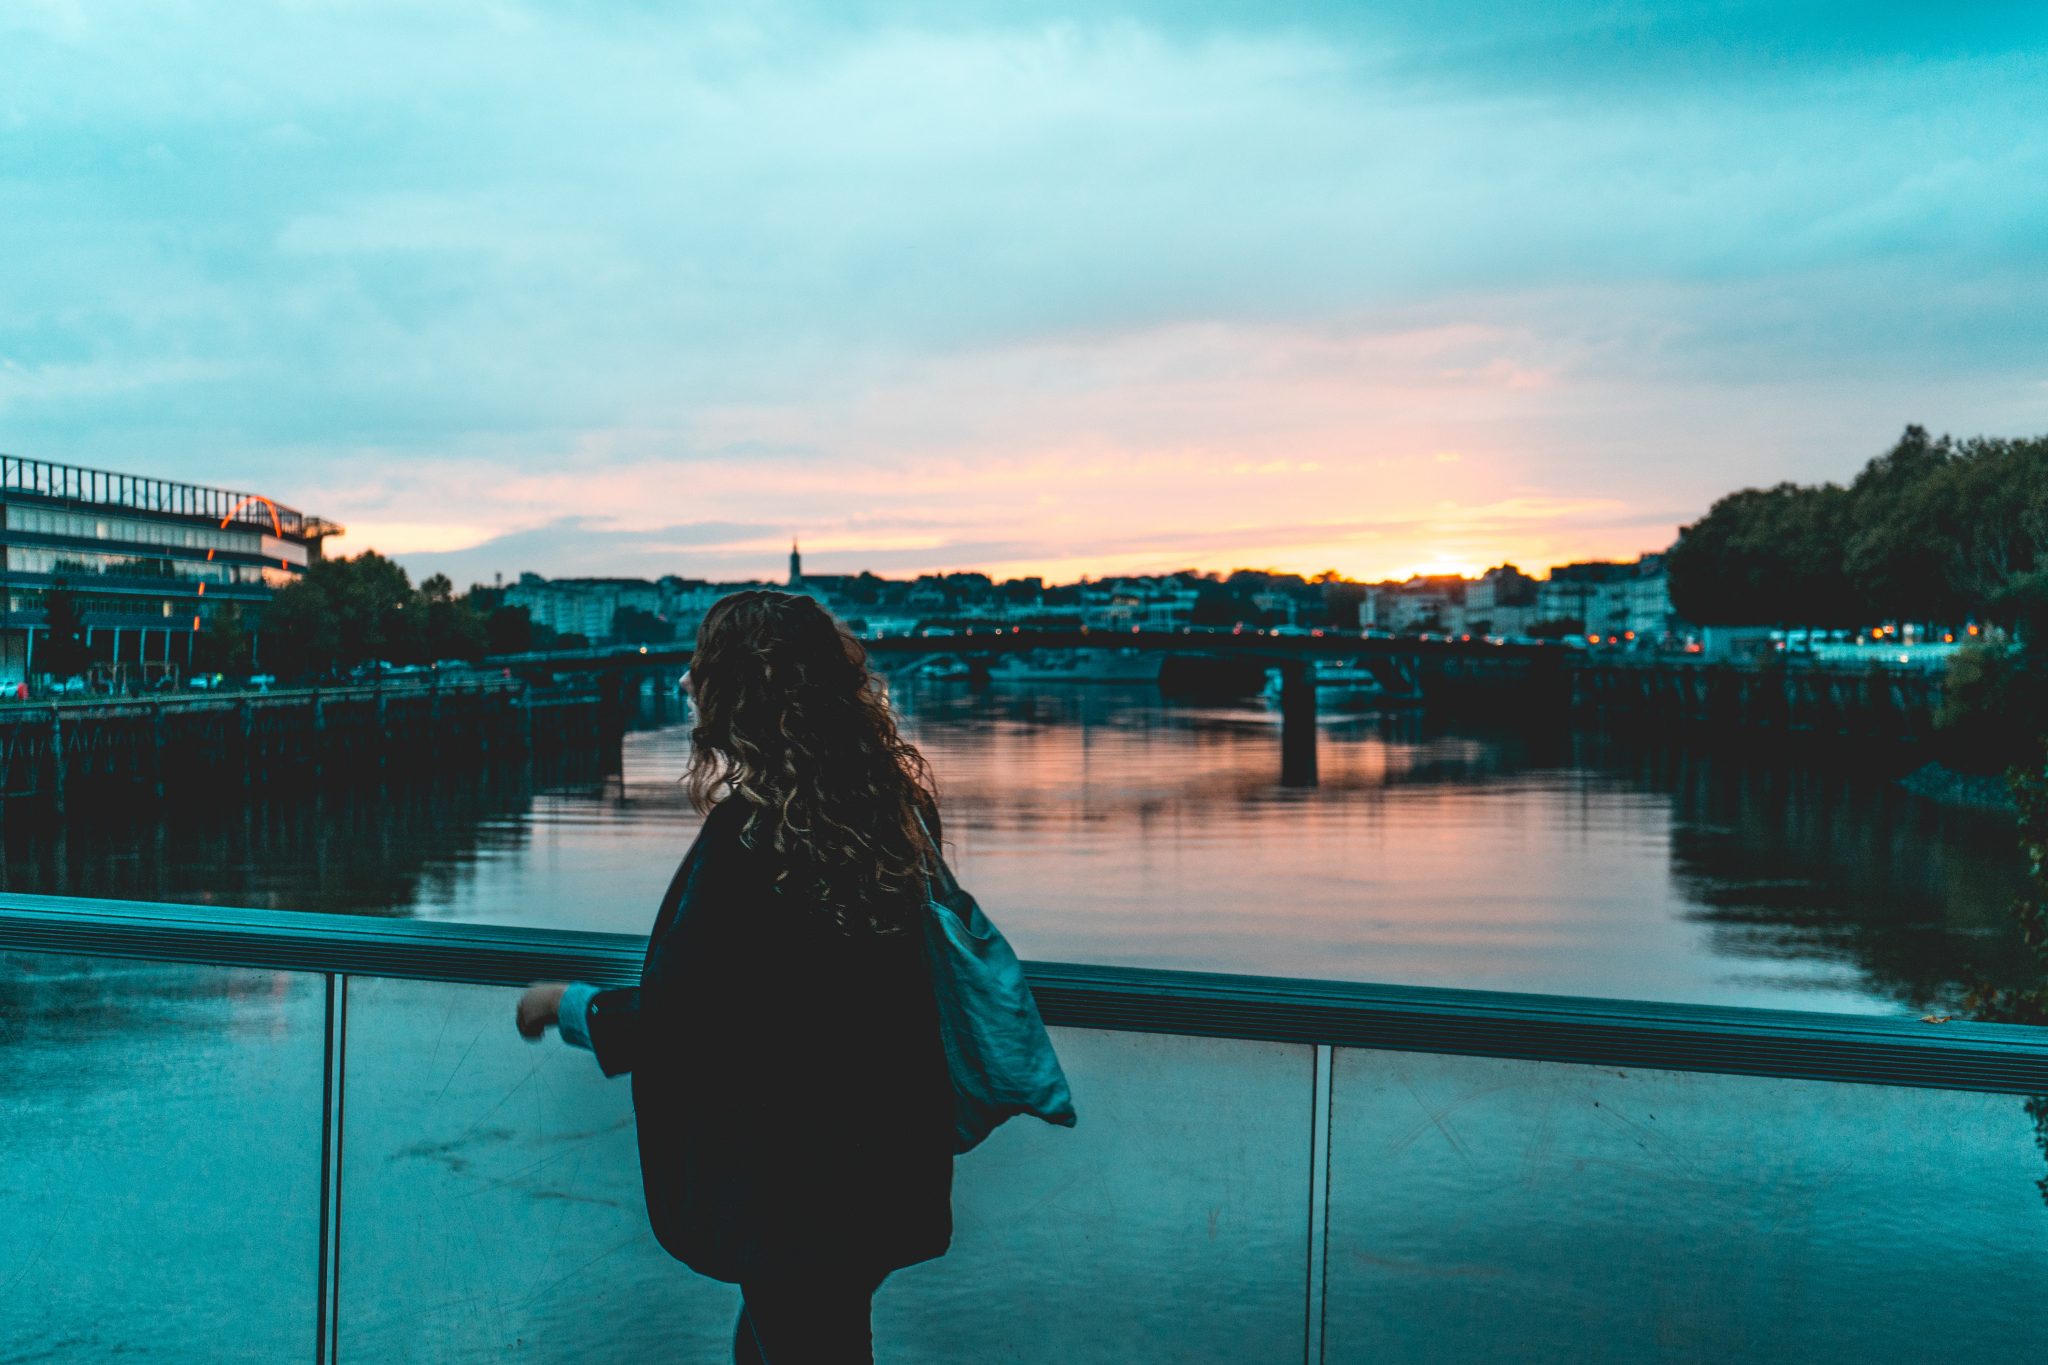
(333, 1089)
(1318, 1205)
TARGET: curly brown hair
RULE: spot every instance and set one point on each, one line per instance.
(789, 718)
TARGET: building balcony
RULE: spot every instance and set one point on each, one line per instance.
(264, 1136)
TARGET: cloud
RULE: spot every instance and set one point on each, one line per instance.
(587, 547)
(1025, 284)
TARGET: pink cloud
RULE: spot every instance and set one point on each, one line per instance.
(1209, 446)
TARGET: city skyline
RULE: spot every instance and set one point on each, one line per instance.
(594, 291)
(811, 573)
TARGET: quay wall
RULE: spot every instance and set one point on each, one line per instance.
(73, 757)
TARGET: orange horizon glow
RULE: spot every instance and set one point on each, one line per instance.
(1378, 454)
(833, 556)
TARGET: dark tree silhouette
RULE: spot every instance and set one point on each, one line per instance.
(63, 653)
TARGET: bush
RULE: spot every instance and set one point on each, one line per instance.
(2028, 1005)
(1994, 707)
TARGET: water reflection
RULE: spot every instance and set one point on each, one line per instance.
(1517, 858)
(1103, 826)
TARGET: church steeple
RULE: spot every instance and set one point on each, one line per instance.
(796, 564)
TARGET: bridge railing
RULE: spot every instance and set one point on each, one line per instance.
(243, 1134)
(205, 697)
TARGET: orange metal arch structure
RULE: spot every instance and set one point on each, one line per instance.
(275, 525)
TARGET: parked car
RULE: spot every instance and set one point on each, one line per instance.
(262, 682)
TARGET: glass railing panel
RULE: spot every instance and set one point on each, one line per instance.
(1485, 1209)
(1171, 1224)
(160, 1129)
(492, 1207)
(491, 1203)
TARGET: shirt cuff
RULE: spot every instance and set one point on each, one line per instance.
(573, 1018)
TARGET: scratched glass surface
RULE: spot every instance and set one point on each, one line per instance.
(1098, 824)
(492, 1208)
(1487, 1209)
(159, 1160)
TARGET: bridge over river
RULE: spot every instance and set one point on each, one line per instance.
(1525, 680)
(1421, 669)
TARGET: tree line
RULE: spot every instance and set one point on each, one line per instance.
(344, 612)
(1937, 531)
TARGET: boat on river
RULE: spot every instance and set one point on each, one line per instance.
(1339, 682)
(942, 668)
(1078, 665)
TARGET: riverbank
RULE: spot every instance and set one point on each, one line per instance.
(1946, 786)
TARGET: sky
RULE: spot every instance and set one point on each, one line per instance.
(604, 287)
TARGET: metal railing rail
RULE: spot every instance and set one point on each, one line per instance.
(1865, 1049)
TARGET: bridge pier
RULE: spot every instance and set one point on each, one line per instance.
(1297, 725)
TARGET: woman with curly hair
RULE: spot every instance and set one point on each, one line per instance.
(789, 1081)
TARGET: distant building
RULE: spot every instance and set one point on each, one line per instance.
(684, 601)
(1434, 602)
(796, 565)
(1271, 602)
(1502, 601)
(1576, 592)
(1123, 604)
(582, 606)
(1647, 614)
(1627, 602)
(148, 561)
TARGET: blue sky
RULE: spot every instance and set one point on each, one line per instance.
(602, 287)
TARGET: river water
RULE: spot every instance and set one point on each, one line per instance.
(1097, 825)
(159, 1124)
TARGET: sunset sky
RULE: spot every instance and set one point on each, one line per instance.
(604, 287)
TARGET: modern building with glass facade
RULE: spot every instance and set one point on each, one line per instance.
(148, 562)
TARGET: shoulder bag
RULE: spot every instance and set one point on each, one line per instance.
(997, 1052)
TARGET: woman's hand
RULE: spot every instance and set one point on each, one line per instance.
(539, 1006)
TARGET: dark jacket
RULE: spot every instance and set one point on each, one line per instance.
(789, 1084)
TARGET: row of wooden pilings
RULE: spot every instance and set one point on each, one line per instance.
(1875, 703)
(68, 757)
(1886, 705)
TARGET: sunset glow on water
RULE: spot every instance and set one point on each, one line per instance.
(1097, 824)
